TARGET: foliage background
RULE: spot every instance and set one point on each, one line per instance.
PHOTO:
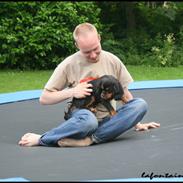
(38, 35)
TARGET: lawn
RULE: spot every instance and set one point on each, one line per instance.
(14, 80)
(141, 73)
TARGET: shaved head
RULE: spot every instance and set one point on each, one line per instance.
(84, 30)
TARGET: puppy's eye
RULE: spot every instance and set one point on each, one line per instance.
(107, 89)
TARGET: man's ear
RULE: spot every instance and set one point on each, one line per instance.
(76, 45)
(99, 37)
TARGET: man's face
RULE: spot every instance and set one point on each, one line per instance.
(90, 47)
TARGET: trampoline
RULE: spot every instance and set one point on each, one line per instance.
(133, 156)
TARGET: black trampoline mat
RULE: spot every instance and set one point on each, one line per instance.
(158, 151)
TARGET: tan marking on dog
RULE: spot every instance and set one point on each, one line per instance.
(113, 112)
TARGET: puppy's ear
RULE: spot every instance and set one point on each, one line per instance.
(118, 91)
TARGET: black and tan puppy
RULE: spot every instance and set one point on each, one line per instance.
(105, 89)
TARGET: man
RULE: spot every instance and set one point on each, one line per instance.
(84, 127)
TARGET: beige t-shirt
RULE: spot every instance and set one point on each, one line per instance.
(76, 67)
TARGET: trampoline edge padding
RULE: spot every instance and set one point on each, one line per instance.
(14, 179)
(156, 84)
(19, 96)
(161, 179)
(33, 94)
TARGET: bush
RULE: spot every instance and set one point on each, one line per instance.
(161, 51)
(38, 35)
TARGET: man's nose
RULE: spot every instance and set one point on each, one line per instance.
(93, 55)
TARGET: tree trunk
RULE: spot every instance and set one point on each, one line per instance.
(130, 17)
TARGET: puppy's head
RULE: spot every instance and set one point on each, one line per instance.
(111, 88)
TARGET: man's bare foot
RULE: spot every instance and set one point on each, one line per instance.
(67, 142)
(29, 139)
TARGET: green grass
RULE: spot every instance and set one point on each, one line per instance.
(12, 80)
(141, 73)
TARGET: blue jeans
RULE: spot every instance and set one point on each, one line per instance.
(84, 123)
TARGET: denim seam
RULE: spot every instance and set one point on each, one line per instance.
(95, 139)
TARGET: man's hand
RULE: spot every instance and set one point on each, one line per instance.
(82, 89)
(146, 126)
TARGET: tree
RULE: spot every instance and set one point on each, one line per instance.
(38, 35)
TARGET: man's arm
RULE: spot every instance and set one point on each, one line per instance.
(53, 97)
(127, 95)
